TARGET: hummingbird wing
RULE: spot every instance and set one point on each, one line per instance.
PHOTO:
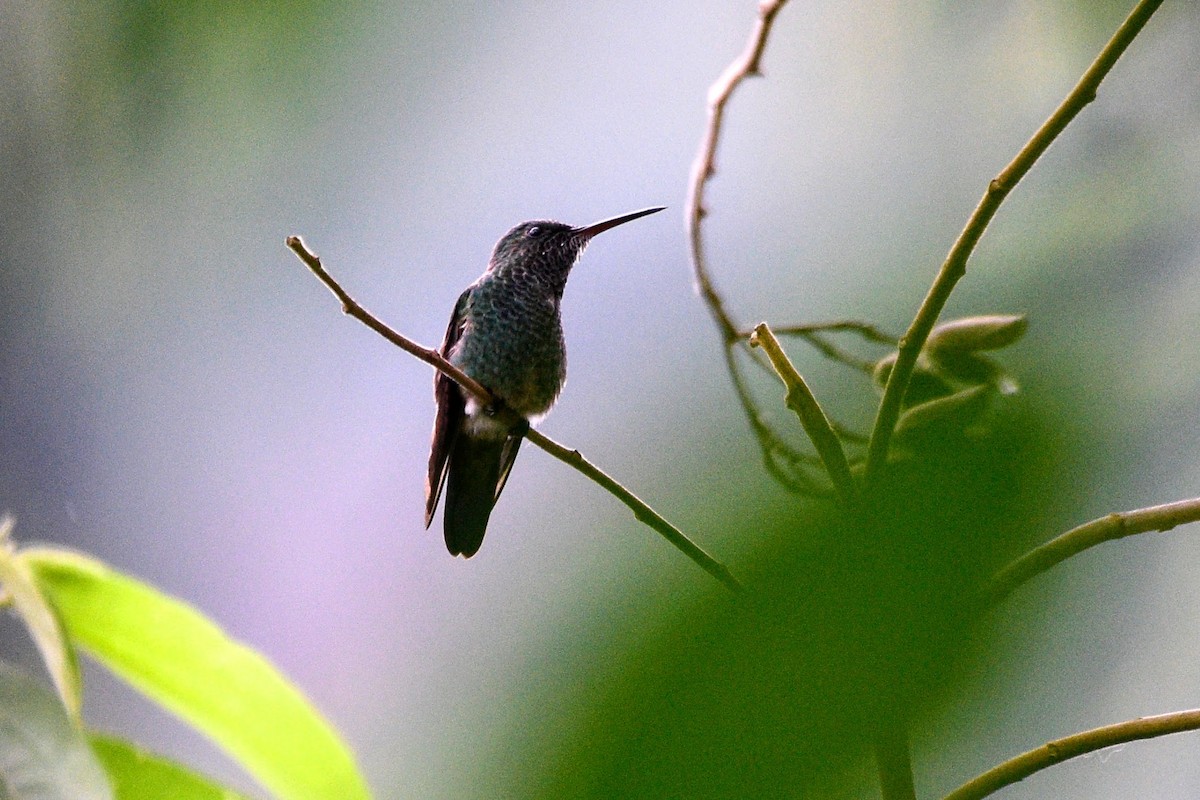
(450, 408)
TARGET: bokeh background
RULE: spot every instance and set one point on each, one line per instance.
(179, 397)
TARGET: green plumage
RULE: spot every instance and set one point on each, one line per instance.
(506, 333)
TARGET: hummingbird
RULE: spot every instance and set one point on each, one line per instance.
(506, 333)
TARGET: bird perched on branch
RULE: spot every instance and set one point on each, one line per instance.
(506, 333)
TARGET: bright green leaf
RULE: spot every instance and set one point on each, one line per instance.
(138, 775)
(43, 754)
(39, 617)
(177, 657)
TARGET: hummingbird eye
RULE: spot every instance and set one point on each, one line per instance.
(533, 231)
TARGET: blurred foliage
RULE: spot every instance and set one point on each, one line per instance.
(43, 752)
(776, 693)
(141, 70)
(139, 775)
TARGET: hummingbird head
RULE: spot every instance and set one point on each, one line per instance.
(549, 249)
(540, 245)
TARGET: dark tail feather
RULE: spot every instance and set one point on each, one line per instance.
(475, 466)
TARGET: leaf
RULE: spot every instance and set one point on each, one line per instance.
(957, 410)
(138, 775)
(177, 657)
(971, 368)
(43, 624)
(970, 334)
(43, 754)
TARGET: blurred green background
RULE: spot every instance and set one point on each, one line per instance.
(179, 397)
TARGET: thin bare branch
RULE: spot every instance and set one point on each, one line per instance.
(783, 462)
(801, 400)
(812, 333)
(704, 165)
(644, 513)
(703, 168)
(1069, 747)
(788, 466)
(955, 265)
(1105, 529)
(350, 307)
(835, 353)
(573, 458)
(866, 330)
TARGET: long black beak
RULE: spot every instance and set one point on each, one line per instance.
(588, 231)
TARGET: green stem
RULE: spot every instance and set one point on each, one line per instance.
(893, 762)
(955, 265)
(866, 330)
(1105, 529)
(1059, 750)
(803, 402)
(784, 463)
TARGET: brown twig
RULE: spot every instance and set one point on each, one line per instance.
(783, 462)
(1059, 750)
(351, 308)
(1105, 529)
(573, 458)
(704, 165)
(644, 513)
(955, 265)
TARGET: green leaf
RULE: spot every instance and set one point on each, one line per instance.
(138, 775)
(39, 617)
(177, 657)
(970, 334)
(965, 367)
(43, 754)
(957, 410)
